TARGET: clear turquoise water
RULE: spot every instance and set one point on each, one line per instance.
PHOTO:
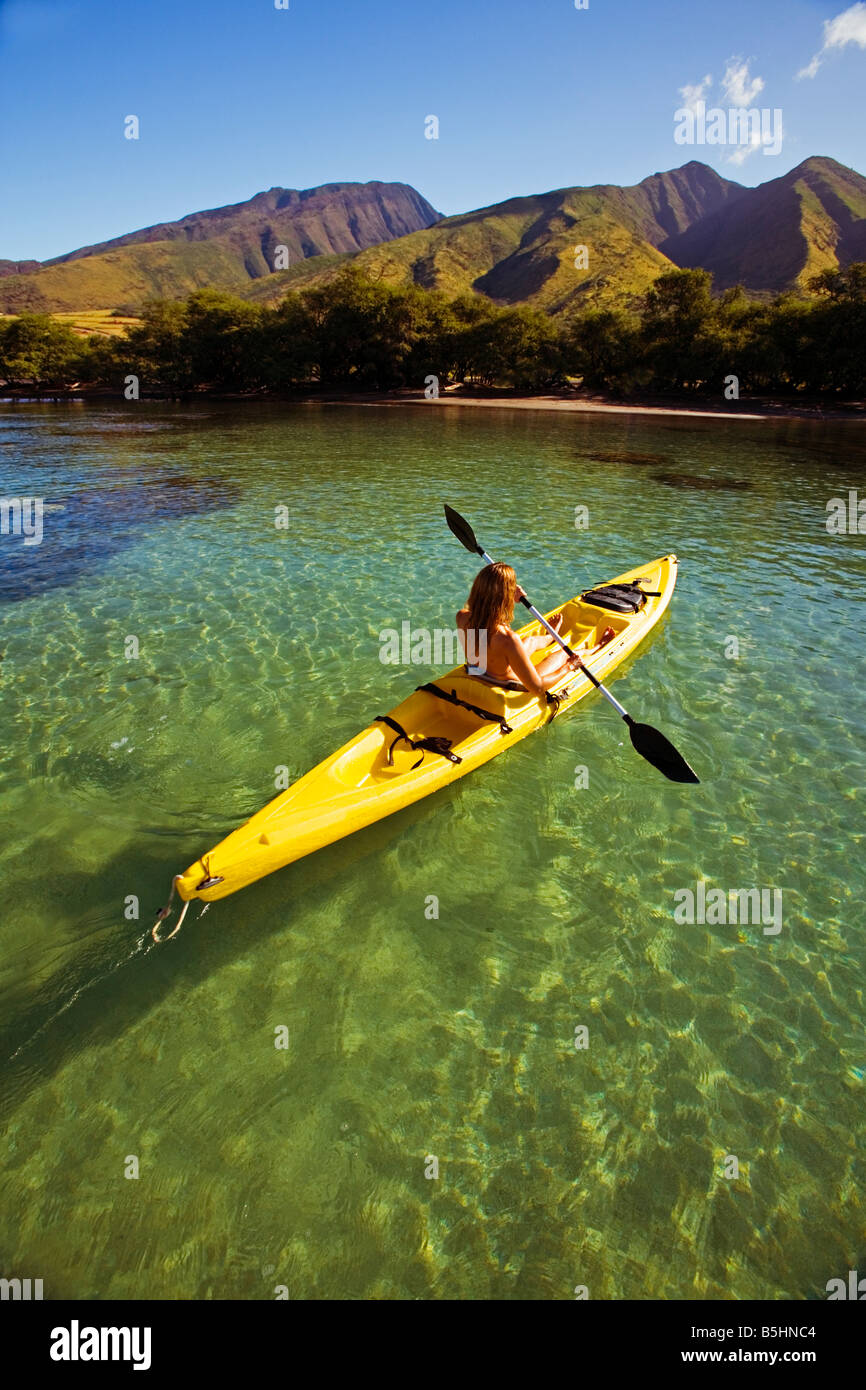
(411, 1037)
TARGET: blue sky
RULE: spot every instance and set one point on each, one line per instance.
(235, 96)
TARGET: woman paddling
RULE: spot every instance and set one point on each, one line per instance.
(496, 653)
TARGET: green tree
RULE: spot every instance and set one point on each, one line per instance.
(840, 321)
(287, 346)
(677, 326)
(434, 333)
(515, 347)
(363, 331)
(222, 336)
(779, 353)
(843, 286)
(98, 361)
(35, 350)
(458, 338)
(603, 347)
(158, 349)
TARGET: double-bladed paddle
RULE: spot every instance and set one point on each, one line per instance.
(646, 740)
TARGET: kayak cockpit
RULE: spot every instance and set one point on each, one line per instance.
(380, 755)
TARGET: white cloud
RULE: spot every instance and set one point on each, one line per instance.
(811, 68)
(847, 27)
(743, 126)
(743, 152)
(739, 86)
(693, 93)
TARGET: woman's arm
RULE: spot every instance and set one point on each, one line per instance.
(527, 673)
(534, 644)
(543, 639)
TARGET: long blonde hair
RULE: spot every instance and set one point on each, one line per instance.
(492, 598)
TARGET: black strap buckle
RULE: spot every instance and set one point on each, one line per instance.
(434, 744)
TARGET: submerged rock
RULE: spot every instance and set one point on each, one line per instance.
(87, 527)
(702, 484)
(625, 456)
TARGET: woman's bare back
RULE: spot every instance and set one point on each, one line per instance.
(493, 656)
(508, 656)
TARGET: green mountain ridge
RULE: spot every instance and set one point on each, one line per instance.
(223, 248)
(525, 250)
(780, 234)
(334, 217)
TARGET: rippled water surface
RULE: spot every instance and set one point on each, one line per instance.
(411, 1038)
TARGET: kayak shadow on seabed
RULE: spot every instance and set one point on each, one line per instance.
(90, 1007)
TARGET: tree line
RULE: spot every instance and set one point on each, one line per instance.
(355, 333)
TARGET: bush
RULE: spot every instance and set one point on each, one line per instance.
(358, 333)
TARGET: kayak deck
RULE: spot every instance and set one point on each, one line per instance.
(373, 776)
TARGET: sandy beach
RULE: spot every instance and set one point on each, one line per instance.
(451, 399)
(583, 405)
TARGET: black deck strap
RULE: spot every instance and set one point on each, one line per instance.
(454, 699)
(620, 598)
(555, 701)
(629, 584)
(442, 746)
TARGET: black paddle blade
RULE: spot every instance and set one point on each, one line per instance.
(462, 530)
(659, 751)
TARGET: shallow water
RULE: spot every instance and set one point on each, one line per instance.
(411, 1037)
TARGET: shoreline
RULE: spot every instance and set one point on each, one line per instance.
(563, 403)
(760, 410)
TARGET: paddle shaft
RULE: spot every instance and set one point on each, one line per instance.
(647, 741)
(565, 647)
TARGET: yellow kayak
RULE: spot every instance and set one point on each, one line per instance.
(447, 734)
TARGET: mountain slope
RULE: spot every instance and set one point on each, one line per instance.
(224, 247)
(127, 276)
(316, 221)
(17, 267)
(775, 237)
(525, 250)
(771, 238)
